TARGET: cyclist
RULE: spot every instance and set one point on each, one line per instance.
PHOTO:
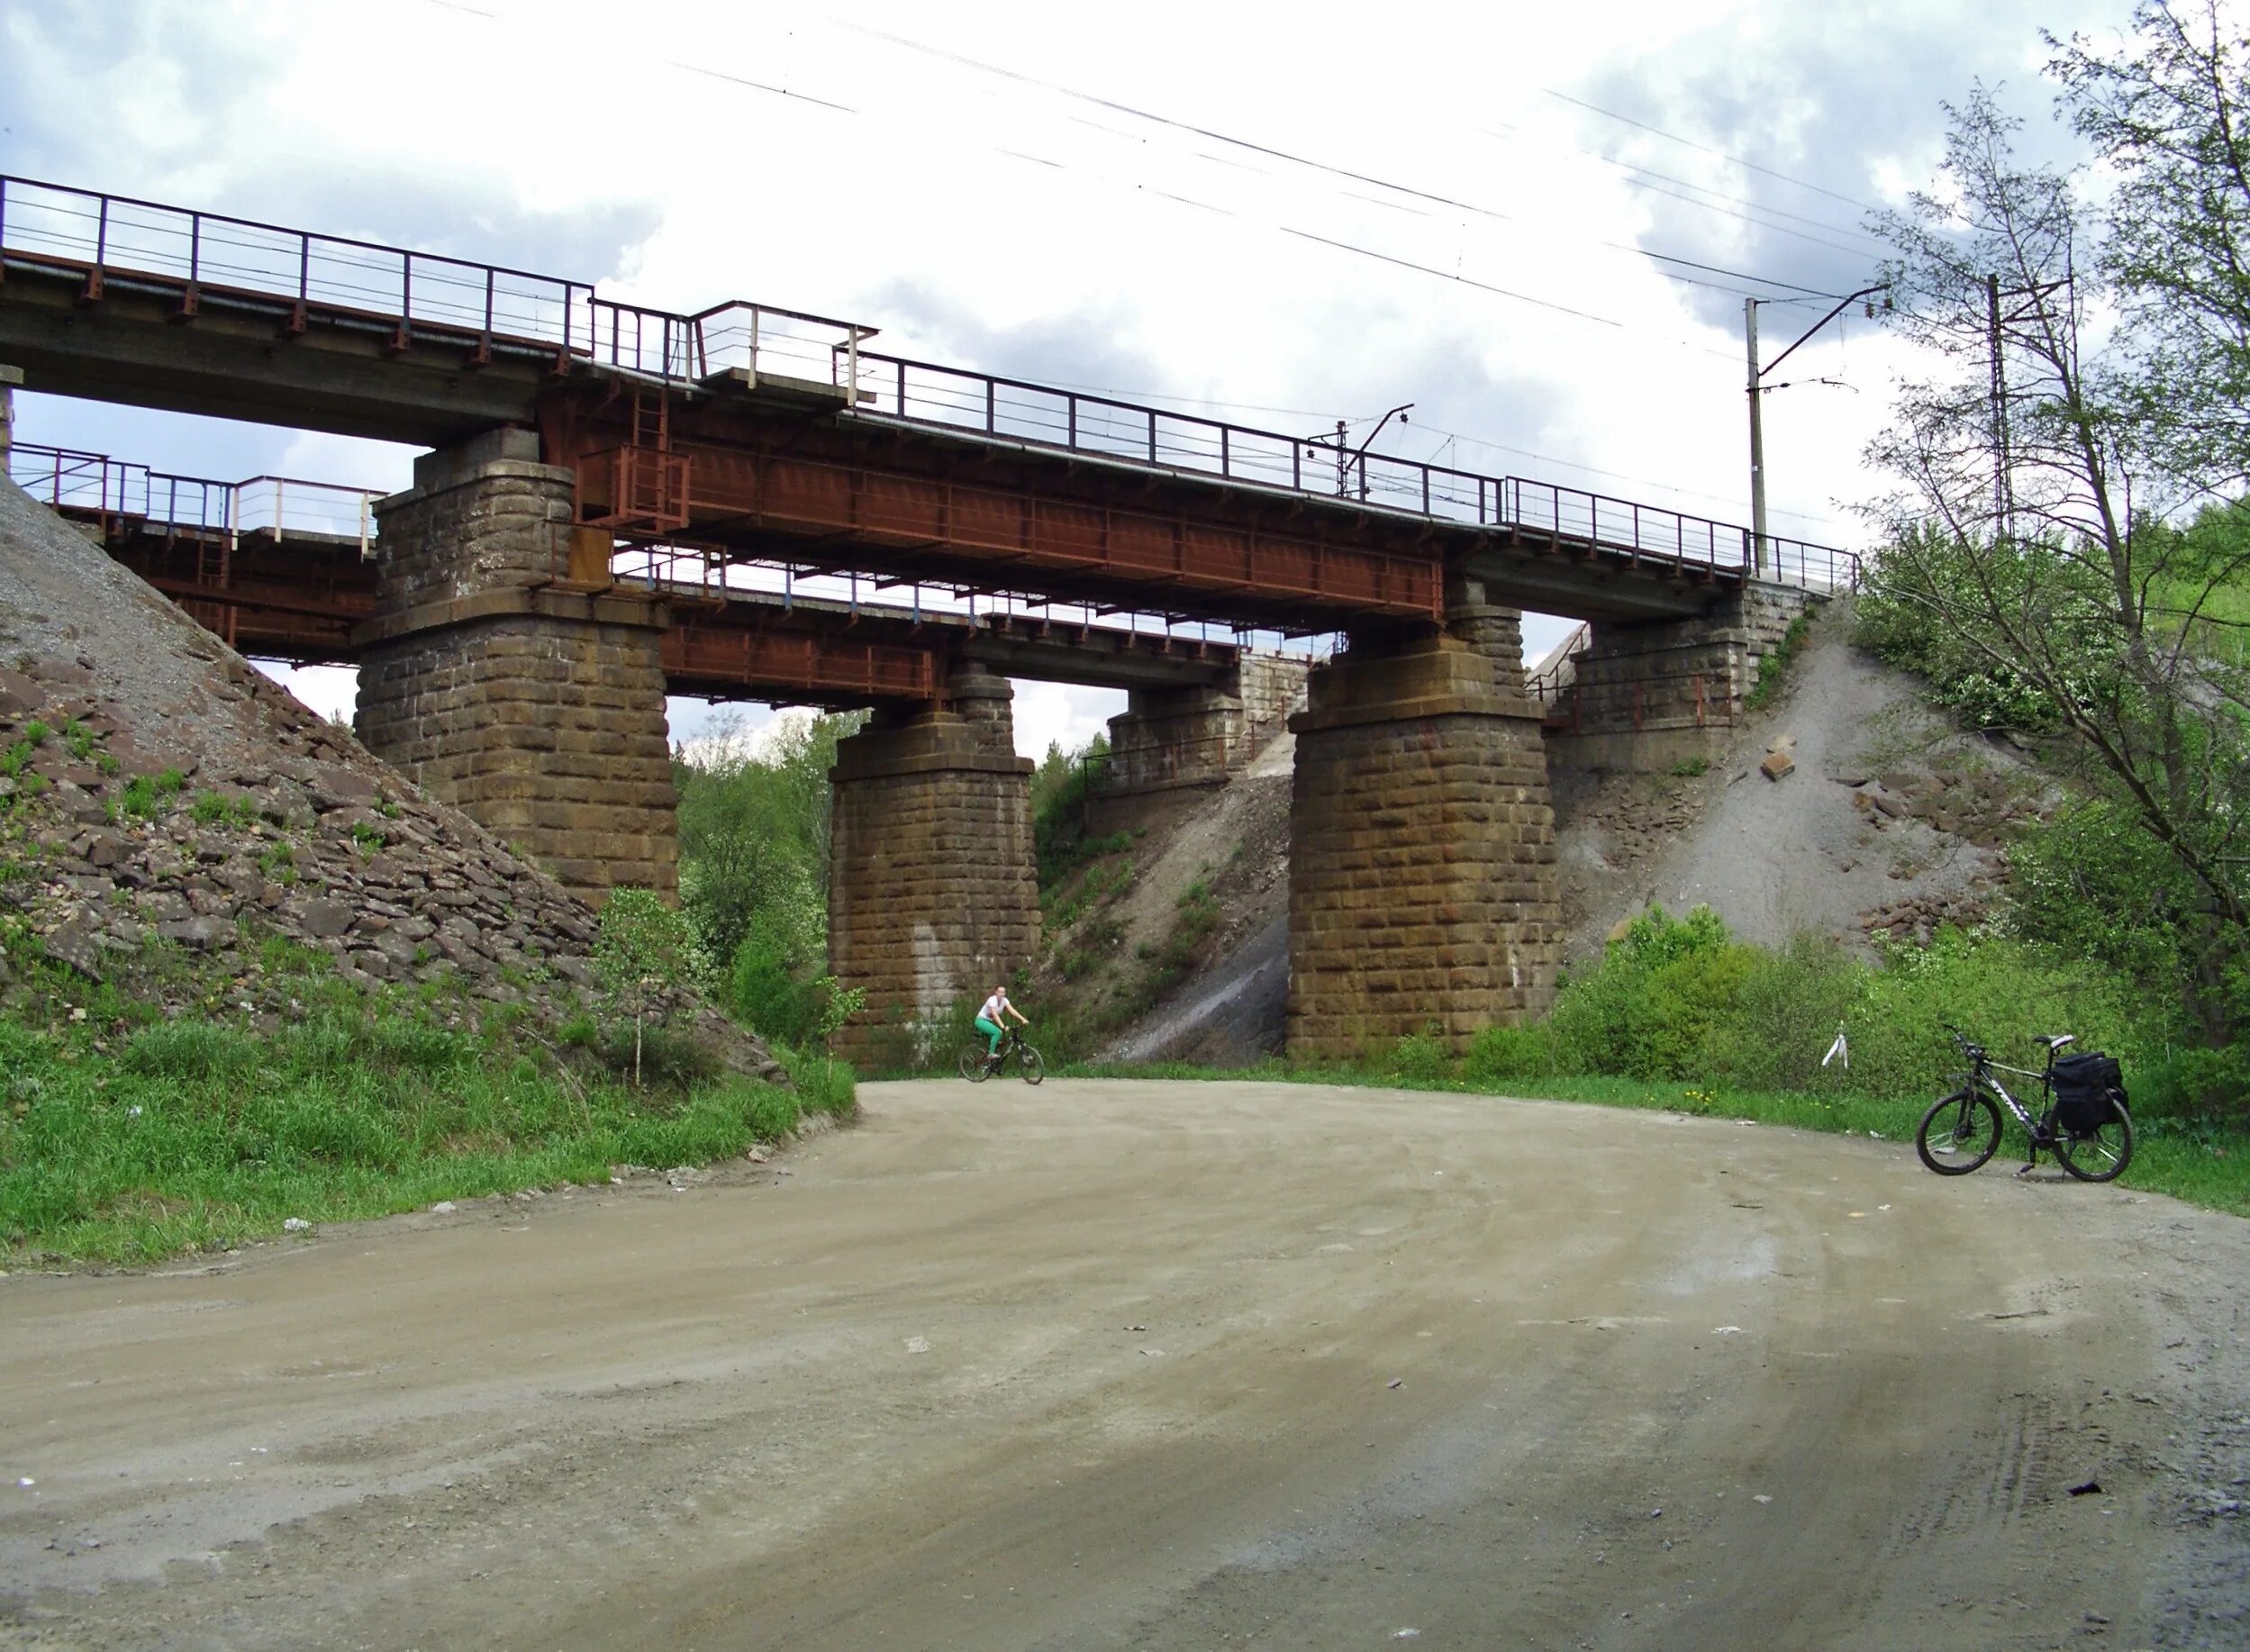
(991, 1021)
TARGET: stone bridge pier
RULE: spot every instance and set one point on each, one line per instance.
(488, 679)
(1422, 887)
(933, 893)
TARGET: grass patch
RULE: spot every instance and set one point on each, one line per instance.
(138, 1142)
(218, 808)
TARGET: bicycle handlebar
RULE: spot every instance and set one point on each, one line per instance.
(1969, 1048)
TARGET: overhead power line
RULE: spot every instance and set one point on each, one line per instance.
(1274, 152)
(1747, 166)
(1673, 266)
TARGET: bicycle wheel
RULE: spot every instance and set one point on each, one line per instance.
(1959, 1133)
(1034, 1068)
(2098, 1155)
(972, 1060)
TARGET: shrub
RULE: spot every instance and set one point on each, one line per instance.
(1511, 1052)
(1419, 1058)
(1786, 1004)
(645, 952)
(1649, 1008)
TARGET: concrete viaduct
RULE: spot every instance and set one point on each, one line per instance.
(506, 667)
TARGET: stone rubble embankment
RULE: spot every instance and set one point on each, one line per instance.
(173, 811)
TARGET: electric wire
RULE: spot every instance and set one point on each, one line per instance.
(1747, 166)
(1305, 161)
(1734, 276)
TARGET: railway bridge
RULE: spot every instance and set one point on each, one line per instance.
(506, 666)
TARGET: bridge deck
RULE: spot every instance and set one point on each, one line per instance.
(767, 433)
(279, 567)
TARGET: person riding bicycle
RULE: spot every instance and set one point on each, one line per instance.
(990, 1022)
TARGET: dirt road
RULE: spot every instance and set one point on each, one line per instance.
(1165, 1367)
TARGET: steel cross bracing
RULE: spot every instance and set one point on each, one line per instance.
(282, 567)
(754, 430)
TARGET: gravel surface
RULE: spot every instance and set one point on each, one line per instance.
(1775, 858)
(1157, 1366)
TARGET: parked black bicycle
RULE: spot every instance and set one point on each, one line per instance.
(977, 1063)
(2083, 1121)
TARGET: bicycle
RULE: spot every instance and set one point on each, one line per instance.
(1960, 1133)
(977, 1063)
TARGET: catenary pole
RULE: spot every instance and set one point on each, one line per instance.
(1757, 437)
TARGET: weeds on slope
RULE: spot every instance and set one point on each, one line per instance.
(124, 1143)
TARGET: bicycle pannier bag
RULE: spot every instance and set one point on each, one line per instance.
(2083, 1087)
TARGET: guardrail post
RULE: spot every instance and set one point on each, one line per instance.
(189, 299)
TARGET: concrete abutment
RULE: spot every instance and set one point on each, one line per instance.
(1422, 887)
(933, 892)
(535, 708)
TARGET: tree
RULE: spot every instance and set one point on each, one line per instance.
(2167, 115)
(754, 833)
(2041, 466)
(644, 956)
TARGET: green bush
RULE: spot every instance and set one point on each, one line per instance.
(1678, 1000)
(1511, 1052)
(658, 1055)
(1787, 1005)
(1419, 1058)
(1647, 1011)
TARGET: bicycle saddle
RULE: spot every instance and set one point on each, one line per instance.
(2057, 1039)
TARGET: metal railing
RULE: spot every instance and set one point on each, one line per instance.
(1546, 684)
(1015, 410)
(416, 296)
(94, 484)
(198, 254)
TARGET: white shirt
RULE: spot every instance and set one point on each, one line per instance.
(993, 1007)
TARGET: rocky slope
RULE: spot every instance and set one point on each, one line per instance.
(1886, 818)
(168, 814)
(1889, 822)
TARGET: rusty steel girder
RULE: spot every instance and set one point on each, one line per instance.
(879, 517)
(705, 654)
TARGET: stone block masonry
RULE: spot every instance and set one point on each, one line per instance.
(535, 708)
(1422, 889)
(1171, 745)
(933, 893)
(1650, 696)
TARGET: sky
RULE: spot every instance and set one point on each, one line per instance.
(1536, 224)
